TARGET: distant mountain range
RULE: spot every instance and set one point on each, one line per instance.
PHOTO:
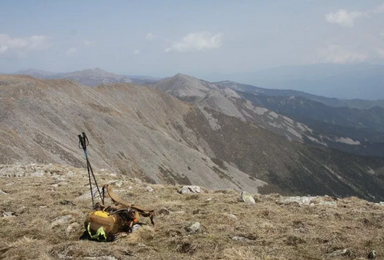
(334, 102)
(88, 77)
(353, 81)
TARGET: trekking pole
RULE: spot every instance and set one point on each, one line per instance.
(83, 142)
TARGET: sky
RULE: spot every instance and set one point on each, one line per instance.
(199, 37)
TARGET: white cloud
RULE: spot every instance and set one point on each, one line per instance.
(136, 52)
(35, 42)
(343, 17)
(347, 18)
(378, 10)
(88, 43)
(150, 36)
(196, 42)
(71, 51)
(381, 53)
(338, 54)
(3, 49)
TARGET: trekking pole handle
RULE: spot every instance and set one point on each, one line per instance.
(86, 141)
(83, 141)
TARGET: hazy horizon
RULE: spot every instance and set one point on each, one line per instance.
(195, 37)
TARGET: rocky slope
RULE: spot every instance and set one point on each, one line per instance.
(132, 129)
(358, 131)
(43, 207)
(219, 142)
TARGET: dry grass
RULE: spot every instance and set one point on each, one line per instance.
(263, 231)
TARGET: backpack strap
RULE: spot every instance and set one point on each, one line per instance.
(99, 235)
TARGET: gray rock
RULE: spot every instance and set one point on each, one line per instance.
(60, 178)
(136, 227)
(372, 254)
(163, 211)
(149, 189)
(72, 228)
(71, 174)
(247, 198)
(195, 227)
(61, 220)
(296, 199)
(3, 192)
(137, 181)
(8, 214)
(238, 238)
(85, 196)
(189, 189)
(308, 201)
(118, 184)
(62, 256)
(105, 257)
(341, 252)
(230, 216)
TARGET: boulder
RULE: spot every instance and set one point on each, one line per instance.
(8, 214)
(340, 252)
(309, 201)
(189, 189)
(195, 227)
(247, 198)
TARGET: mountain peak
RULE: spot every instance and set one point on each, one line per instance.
(183, 76)
(99, 70)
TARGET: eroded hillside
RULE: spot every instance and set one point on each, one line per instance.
(220, 142)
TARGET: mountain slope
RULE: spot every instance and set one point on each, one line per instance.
(185, 87)
(295, 118)
(354, 130)
(88, 77)
(132, 129)
(146, 133)
(235, 132)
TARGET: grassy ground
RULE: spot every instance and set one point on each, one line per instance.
(47, 215)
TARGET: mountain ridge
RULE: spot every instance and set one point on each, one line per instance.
(87, 77)
(343, 81)
(218, 141)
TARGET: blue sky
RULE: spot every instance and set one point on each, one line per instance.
(162, 38)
